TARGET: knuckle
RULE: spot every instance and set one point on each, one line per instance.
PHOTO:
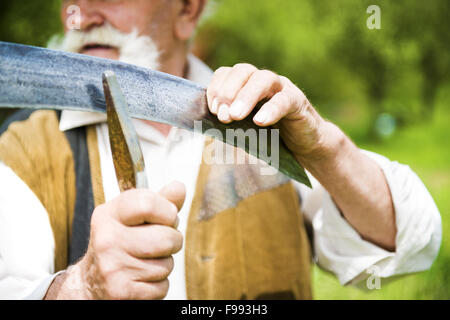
(115, 291)
(229, 88)
(100, 244)
(267, 78)
(258, 79)
(105, 268)
(177, 242)
(154, 248)
(179, 188)
(165, 247)
(244, 67)
(146, 201)
(98, 215)
(161, 244)
(283, 99)
(128, 195)
(265, 74)
(163, 273)
(170, 264)
(165, 268)
(151, 250)
(304, 104)
(285, 80)
(226, 93)
(161, 289)
(212, 91)
(169, 242)
(172, 212)
(101, 241)
(247, 95)
(221, 70)
(130, 202)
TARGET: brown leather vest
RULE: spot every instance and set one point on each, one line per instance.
(245, 237)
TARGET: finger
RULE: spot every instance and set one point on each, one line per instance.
(175, 192)
(235, 79)
(148, 290)
(139, 206)
(223, 113)
(278, 107)
(151, 241)
(151, 270)
(213, 88)
(262, 84)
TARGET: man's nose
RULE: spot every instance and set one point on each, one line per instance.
(90, 16)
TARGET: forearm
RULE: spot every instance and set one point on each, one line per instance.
(357, 185)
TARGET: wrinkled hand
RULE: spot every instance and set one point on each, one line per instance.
(321, 147)
(133, 238)
(235, 91)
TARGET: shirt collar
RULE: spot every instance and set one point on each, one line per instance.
(197, 72)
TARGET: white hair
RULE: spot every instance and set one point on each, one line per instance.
(134, 49)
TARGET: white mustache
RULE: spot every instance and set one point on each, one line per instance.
(134, 49)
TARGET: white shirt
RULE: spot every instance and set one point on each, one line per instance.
(27, 243)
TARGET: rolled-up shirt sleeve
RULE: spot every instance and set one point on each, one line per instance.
(26, 241)
(340, 249)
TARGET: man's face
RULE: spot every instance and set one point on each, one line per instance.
(153, 18)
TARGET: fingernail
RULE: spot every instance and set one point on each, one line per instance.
(177, 222)
(237, 109)
(223, 113)
(215, 106)
(261, 116)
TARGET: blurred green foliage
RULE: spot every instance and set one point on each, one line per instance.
(351, 74)
(30, 22)
(425, 147)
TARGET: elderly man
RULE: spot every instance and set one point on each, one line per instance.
(244, 233)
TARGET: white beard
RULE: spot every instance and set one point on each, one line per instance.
(138, 50)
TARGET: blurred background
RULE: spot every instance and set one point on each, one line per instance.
(388, 88)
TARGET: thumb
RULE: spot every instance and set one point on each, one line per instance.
(175, 192)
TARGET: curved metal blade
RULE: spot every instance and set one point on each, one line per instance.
(38, 78)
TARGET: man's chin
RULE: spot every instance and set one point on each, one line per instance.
(107, 53)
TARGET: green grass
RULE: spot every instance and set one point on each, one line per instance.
(425, 148)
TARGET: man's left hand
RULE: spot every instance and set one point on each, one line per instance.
(235, 91)
(321, 147)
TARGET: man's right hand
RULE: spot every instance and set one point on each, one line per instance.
(133, 238)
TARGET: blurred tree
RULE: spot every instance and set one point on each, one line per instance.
(30, 22)
(351, 73)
